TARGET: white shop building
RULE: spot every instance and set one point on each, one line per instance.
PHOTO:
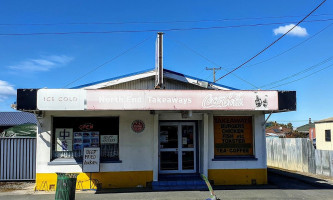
(146, 136)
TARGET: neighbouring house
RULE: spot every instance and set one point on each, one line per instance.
(324, 134)
(277, 131)
(156, 128)
(305, 128)
(18, 124)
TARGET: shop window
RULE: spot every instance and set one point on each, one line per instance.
(233, 136)
(327, 135)
(72, 134)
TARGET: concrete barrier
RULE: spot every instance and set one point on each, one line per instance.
(298, 154)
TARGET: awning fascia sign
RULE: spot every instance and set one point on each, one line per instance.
(61, 99)
(80, 99)
(181, 100)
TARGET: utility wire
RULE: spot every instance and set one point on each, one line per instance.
(303, 77)
(272, 42)
(157, 30)
(209, 60)
(300, 72)
(112, 59)
(156, 22)
(293, 47)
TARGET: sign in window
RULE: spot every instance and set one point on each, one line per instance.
(233, 136)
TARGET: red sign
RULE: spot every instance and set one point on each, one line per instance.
(138, 126)
(86, 127)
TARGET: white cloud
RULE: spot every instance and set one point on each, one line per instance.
(297, 31)
(6, 90)
(45, 63)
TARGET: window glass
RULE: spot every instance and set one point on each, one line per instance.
(327, 135)
(72, 134)
(233, 136)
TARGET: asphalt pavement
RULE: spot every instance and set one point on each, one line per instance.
(281, 185)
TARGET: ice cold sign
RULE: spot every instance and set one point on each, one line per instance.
(91, 160)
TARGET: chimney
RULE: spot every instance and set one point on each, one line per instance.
(310, 120)
(159, 61)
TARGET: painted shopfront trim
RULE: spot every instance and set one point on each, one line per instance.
(126, 179)
(238, 176)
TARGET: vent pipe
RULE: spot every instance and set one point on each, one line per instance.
(159, 61)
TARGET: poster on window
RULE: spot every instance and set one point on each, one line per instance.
(109, 139)
(233, 136)
(64, 137)
(91, 159)
(85, 139)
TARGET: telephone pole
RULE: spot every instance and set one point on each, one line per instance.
(214, 68)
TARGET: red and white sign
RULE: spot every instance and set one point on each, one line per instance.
(181, 100)
(138, 126)
(80, 99)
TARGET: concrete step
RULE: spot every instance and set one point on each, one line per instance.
(179, 185)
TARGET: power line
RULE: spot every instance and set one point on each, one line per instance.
(305, 120)
(156, 22)
(157, 30)
(211, 61)
(293, 47)
(303, 77)
(272, 42)
(300, 72)
(112, 59)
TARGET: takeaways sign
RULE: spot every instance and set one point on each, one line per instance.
(79, 99)
(233, 136)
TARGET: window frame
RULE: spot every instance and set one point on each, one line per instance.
(72, 160)
(328, 135)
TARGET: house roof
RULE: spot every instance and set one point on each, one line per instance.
(16, 118)
(278, 130)
(305, 128)
(148, 73)
(325, 120)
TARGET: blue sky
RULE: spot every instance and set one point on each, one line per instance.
(55, 60)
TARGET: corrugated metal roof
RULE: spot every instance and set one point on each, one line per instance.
(305, 128)
(16, 118)
(325, 120)
(111, 79)
(149, 70)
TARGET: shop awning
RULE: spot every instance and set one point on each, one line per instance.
(104, 99)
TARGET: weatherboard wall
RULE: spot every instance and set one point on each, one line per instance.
(149, 84)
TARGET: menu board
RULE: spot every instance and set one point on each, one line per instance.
(85, 139)
(64, 138)
(233, 136)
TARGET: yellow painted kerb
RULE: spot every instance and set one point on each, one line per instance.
(48, 181)
(238, 176)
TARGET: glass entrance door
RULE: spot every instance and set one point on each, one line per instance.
(177, 141)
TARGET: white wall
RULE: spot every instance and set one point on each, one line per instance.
(140, 159)
(320, 136)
